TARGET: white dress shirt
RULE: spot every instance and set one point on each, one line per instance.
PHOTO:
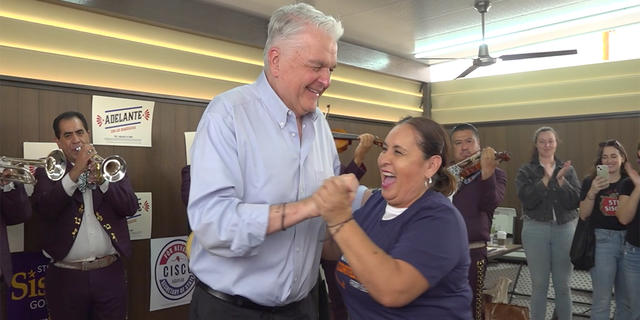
(92, 241)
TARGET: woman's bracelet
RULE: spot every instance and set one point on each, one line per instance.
(339, 225)
(594, 197)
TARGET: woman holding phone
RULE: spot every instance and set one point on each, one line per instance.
(599, 200)
(550, 193)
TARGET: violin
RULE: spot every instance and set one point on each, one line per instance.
(343, 139)
(471, 165)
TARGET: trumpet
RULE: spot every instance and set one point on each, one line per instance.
(55, 165)
(112, 168)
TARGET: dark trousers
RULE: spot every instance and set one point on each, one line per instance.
(100, 294)
(207, 307)
(477, 272)
(337, 308)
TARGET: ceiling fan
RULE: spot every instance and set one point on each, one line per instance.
(484, 59)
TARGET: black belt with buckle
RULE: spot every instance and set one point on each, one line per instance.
(242, 302)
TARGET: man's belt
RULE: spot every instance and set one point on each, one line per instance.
(88, 265)
(242, 302)
(476, 245)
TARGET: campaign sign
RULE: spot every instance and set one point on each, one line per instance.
(172, 282)
(140, 223)
(25, 298)
(122, 122)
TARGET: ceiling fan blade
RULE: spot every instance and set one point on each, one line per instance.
(532, 55)
(442, 58)
(466, 72)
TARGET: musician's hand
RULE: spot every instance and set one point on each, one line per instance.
(334, 198)
(488, 162)
(95, 176)
(7, 173)
(364, 145)
(83, 160)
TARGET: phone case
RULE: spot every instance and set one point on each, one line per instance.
(602, 171)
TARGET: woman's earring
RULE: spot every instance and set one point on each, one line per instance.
(428, 182)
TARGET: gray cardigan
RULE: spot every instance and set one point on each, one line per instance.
(540, 201)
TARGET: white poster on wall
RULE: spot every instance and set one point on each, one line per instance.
(188, 141)
(140, 223)
(122, 122)
(172, 282)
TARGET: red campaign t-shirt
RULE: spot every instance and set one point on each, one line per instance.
(605, 204)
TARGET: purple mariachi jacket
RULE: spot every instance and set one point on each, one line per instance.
(477, 201)
(14, 209)
(61, 215)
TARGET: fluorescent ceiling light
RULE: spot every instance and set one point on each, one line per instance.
(590, 17)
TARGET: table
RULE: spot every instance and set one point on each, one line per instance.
(499, 254)
(495, 252)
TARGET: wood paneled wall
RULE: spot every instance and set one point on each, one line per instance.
(579, 136)
(27, 113)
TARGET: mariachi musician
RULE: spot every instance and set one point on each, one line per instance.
(477, 196)
(14, 209)
(83, 219)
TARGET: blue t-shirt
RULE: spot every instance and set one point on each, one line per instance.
(432, 237)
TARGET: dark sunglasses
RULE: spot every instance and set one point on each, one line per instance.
(609, 143)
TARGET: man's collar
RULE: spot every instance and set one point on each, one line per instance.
(275, 106)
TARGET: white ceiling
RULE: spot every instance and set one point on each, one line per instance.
(400, 27)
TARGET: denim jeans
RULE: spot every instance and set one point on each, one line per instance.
(547, 245)
(607, 273)
(631, 269)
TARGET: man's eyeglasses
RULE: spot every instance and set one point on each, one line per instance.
(609, 143)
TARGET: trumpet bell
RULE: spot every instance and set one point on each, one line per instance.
(56, 165)
(113, 168)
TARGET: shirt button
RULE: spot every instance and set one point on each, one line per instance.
(281, 124)
(295, 279)
(293, 134)
(301, 190)
(297, 249)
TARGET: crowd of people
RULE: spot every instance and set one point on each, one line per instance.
(412, 248)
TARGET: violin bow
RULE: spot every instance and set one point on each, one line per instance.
(326, 114)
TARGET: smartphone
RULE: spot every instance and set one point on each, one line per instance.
(602, 171)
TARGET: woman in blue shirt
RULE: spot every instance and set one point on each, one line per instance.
(404, 254)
